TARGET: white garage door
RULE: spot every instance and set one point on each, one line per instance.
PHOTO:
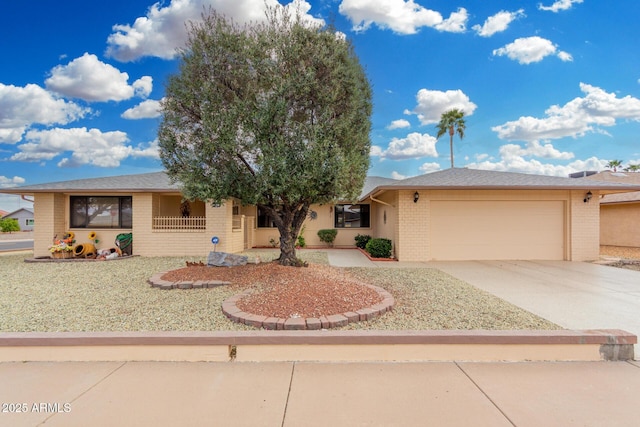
(484, 230)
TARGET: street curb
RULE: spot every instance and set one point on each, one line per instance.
(320, 345)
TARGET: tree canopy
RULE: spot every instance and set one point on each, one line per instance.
(274, 114)
(8, 225)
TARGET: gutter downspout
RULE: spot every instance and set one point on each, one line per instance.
(23, 197)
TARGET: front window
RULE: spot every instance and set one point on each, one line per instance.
(264, 220)
(101, 212)
(352, 216)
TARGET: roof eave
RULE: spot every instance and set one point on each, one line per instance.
(88, 190)
(603, 189)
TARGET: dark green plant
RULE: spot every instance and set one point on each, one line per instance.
(9, 225)
(361, 240)
(379, 248)
(301, 242)
(276, 114)
(328, 235)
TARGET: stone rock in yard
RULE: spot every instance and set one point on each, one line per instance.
(224, 259)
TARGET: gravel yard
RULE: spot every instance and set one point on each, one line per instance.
(629, 258)
(115, 296)
(620, 252)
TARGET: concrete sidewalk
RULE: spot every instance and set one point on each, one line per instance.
(319, 394)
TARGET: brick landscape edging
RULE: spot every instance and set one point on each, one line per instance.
(231, 310)
(156, 281)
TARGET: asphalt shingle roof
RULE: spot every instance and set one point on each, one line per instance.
(624, 177)
(155, 181)
(462, 178)
(454, 179)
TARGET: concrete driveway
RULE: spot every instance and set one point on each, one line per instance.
(574, 295)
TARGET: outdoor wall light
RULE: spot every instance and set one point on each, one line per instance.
(588, 197)
(416, 196)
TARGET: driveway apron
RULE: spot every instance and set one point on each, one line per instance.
(574, 295)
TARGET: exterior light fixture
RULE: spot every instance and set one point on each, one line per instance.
(416, 196)
(588, 196)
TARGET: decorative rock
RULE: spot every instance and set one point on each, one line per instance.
(224, 259)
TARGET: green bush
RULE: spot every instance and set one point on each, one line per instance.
(361, 240)
(8, 225)
(379, 248)
(301, 242)
(328, 236)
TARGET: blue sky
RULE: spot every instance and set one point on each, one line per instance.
(548, 87)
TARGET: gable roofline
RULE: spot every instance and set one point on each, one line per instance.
(16, 211)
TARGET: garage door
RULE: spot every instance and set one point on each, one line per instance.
(483, 230)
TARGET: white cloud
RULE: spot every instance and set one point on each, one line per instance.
(90, 79)
(161, 32)
(534, 149)
(414, 146)
(20, 107)
(375, 151)
(401, 16)
(559, 5)
(148, 109)
(102, 149)
(399, 124)
(497, 23)
(397, 175)
(432, 103)
(143, 86)
(531, 49)
(533, 166)
(6, 182)
(565, 56)
(429, 167)
(151, 151)
(455, 23)
(575, 118)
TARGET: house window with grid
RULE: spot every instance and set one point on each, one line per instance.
(101, 212)
(352, 216)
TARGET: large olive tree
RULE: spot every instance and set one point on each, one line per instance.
(274, 114)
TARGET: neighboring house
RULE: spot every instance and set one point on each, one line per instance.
(454, 214)
(619, 213)
(24, 217)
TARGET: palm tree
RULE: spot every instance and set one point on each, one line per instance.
(452, 121)
(614, 164)
(632, 168)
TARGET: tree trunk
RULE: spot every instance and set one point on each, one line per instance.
(288, 254)
(451, 132)
(289, 221)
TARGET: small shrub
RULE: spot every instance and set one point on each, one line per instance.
(379, 248)
(301, 242)
(361, 240)
(328, 235)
